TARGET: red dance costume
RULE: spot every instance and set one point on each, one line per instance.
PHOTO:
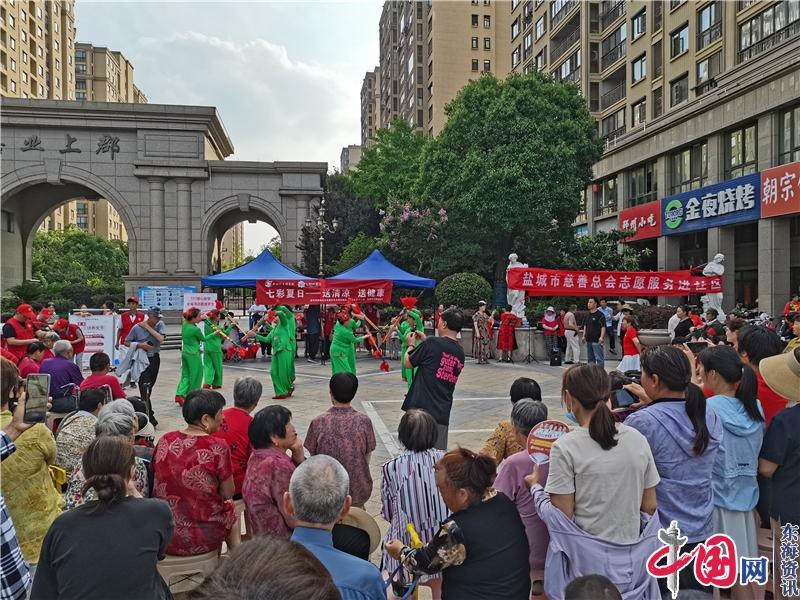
(506, 340)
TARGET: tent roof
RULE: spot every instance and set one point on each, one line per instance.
(263, 266)
(375, 266)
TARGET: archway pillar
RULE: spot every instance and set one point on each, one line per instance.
(157, 256)
(184, 193)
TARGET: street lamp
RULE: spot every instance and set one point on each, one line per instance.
(321, 227)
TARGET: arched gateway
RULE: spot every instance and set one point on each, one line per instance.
(161, 167)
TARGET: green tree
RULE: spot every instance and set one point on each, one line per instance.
(274, 246)
(509, 167)
(464, 290)
(602, 251)
(356, 251)
(353, 214)
(389, 168)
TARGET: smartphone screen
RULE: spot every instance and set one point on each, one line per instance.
(625, 398)
(38, 389)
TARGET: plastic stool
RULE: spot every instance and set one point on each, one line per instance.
(187, 567)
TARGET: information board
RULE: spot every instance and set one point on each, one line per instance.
(166, 297)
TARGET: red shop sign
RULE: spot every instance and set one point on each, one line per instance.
(551, 282)
(323, 291)
(780, 190)
(644, 219)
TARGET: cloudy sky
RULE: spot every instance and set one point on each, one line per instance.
(285, 76)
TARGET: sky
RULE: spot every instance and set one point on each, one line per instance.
(285, 76)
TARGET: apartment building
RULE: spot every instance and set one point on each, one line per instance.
(370, 106)
(36, 49)
(103, 75)
(350, 157)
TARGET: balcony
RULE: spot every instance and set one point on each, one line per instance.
(612, 96)
(780, 36)
(565, 10)
(614, 134)
(612, 14)
(705, 87)
(573, 77)
(560, 48)
(704, 38)
(609, 58)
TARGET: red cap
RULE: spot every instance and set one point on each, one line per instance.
(219, 304)
(61, 324)
(26, 310)
(45, 312)
(133, 299)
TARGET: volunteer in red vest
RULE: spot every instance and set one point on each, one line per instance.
(42, 322)
(128, 319)
(73, 334)
(18, 331)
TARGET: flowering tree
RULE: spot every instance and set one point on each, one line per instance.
(412, 235)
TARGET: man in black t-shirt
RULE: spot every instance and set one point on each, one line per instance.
(594, 332)
(439, 361)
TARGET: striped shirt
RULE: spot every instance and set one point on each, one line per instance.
(15, 578)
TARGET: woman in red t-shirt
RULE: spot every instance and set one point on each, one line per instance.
(631, 346)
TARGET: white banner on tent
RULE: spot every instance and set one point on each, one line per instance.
(99, 331)
(205, 302)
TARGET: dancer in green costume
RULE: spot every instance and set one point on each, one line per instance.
(212, 358)
(191, 362)
(412, 322)
(354, 324)
(291, 328)
(342, 352)
(282, 357)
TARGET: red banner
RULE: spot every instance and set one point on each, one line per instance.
(780, 190)
(550, 282)
(323, 291)
(644, 220)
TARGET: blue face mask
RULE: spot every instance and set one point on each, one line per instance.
(571, 416)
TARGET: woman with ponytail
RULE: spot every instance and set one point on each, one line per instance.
(481, 549)
(734, 476)
(684, 435)
(108, 547)
(602, 473)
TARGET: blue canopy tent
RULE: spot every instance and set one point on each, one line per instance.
(263, 266)
(375, 266)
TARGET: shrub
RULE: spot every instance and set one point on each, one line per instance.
(653, 317)
(464, 290)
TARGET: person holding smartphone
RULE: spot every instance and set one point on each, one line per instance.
(32, 499)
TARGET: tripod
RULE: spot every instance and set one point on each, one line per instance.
(530, 358)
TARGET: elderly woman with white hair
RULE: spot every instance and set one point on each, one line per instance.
(525, 415)
(115, 418)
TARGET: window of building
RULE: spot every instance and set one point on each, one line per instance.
(527, 45)
(515, 57)
(679, 90)
(40, 70)
(709, 24)
(674, 3)
(13, 86)
(639, 112)
(639, 68)
(80, 55)
(789, 135)
(768, 23)
(514, 5)
(11, 21)
(487, 21)
(541, 60)
(605, 201)
(613, 46)
(13, 65)
(487, 43)
(58, 82)
(13, 43)
(24, 77)
(487, 2)
(23, 16)
(658, 59)
(24, 58)
(740, 152)
(540, 27)
(487, 66)
(515, 28)
(475, 64)
(680, 41)
(613, 124)
(23, 36)
(639, 23)
(38, 12)
(82, 222)
(707, 70)
(474, 43)
(58, 65)
(689, 168)
(80, 68)
(474, 20)
(570, 69)
(41, 90)
(39, 32)
(642, 184)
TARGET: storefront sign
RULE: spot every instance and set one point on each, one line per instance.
(164, 296)
(99, 331)
(644, 220)
(780, 190)
(550, 282)
(204, 301)
(727, 203)
(323, 291)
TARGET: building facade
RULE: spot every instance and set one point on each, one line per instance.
(350, 157)
(37, 42)
(370, 106)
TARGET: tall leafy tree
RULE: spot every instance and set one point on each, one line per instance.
(389, 168)
(510, 165)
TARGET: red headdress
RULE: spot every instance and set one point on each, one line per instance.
(409, 302)
(219, 304)
(271, 315)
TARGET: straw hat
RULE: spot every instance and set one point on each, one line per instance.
(782, 374)
(360, 519)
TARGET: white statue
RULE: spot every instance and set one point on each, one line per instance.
(515, 298)
(715, 268)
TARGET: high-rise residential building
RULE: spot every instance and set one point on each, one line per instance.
(693, 100)
(37, 41)
(231, 248)
(370, 106)
(103, 75)
(350, 157)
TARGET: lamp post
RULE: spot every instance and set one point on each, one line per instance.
(321, 227)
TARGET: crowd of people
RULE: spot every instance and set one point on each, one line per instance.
(710, 443)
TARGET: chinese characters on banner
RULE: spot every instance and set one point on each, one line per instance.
(734, 201)
(323, 291)
(780, 190)
(204, 301)
(644, 220)
(550, 282)
(99, 331)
